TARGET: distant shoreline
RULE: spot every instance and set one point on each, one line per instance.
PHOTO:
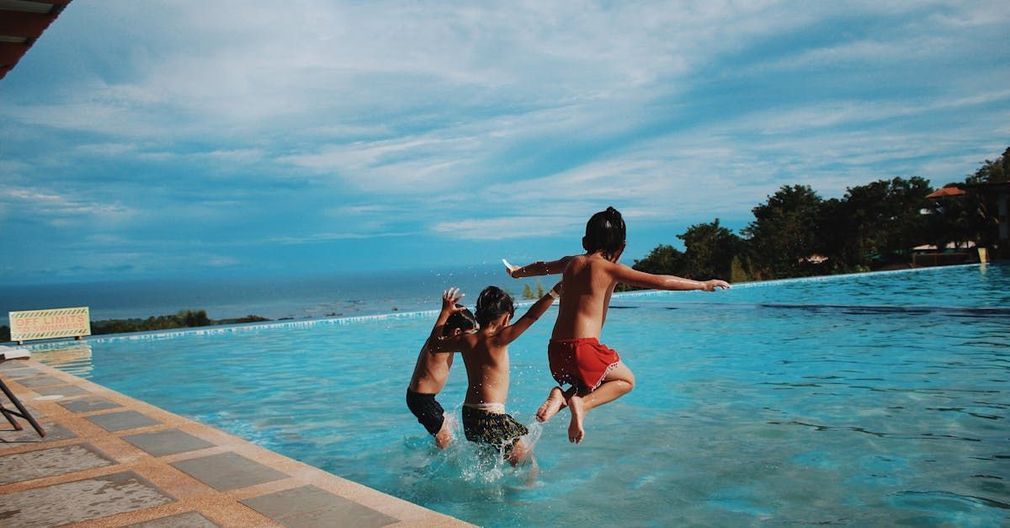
(192, 319)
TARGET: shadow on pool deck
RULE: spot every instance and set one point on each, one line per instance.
(109, 461)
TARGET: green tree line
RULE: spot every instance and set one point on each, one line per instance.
(797, 233)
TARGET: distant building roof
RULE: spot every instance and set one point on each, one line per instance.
(946, 192)
(21, 24)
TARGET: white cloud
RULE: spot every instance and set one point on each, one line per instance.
(411, 110)
(361, 209)
(863, 51)
(502, 228)
(827, 114)
(251, 66)
(230, 156)
(61, 209)
(404, 165)
(108, 150)
(327, 237)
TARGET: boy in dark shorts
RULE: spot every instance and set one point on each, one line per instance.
(432, 370)
(486, 356)
(577, 358)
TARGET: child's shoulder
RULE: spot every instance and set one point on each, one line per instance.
(594, 261)
(465, 342)
(580, 261)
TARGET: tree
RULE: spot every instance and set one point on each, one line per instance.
(783, 232)
(833, 237)
(983, 218)
(950, 220)
(882, 221)
(530, 293)
(740, 270)
(992, 171)
(710, 250)
(663, 259)
(190, 318)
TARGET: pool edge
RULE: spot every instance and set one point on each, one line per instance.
(131, 437)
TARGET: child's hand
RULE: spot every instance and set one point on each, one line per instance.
(712, 284)
(449, 299)
(510, 268)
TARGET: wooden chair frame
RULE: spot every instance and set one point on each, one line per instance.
(21, 412)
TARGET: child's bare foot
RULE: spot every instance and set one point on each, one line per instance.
(555, 400)
(575, 431)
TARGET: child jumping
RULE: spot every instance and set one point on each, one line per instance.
(432, 370)
(595, 372)
(486, 356)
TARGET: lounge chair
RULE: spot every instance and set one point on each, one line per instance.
(21, 412)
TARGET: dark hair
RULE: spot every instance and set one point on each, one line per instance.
(492, 303)
(605, 231)
(464, 320)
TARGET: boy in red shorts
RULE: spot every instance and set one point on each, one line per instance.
(595, 372)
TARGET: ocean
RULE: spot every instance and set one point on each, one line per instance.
(301, 297)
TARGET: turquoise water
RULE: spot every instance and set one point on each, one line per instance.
(864, 400)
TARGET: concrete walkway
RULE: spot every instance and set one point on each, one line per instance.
(111, 461)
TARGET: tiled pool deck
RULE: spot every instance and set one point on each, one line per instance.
(109, 461)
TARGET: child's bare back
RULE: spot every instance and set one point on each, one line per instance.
(588, 282)
(595, 372)
(487, 368)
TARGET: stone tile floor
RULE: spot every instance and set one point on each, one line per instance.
(110, 461)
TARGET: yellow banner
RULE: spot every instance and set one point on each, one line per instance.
(50, 324)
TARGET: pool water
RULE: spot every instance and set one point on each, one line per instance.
(877, 399)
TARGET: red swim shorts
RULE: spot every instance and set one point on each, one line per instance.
(581, 362)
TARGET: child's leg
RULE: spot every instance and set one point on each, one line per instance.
(444, 435)
(556, 399)
(616, 383)
(520, 453)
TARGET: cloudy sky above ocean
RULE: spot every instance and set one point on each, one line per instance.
(178, 138)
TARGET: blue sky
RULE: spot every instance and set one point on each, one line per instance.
(152, 138)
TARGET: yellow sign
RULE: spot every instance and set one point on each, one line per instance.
(50, 324)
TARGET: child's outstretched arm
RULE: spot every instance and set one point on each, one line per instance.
(663, 282)
(513, 331)
(450, 298)
(536, 268)
(437, 343)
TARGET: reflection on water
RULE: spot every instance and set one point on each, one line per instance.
(73, 357)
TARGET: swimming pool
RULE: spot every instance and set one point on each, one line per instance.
(863, 400)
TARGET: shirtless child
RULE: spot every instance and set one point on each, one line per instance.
(486, 356)
(432, 370)
(596, 373)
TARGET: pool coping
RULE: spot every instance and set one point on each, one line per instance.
(187, 469)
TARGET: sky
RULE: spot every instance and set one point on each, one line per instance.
(179, 139)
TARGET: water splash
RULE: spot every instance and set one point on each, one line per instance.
(482, 468)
